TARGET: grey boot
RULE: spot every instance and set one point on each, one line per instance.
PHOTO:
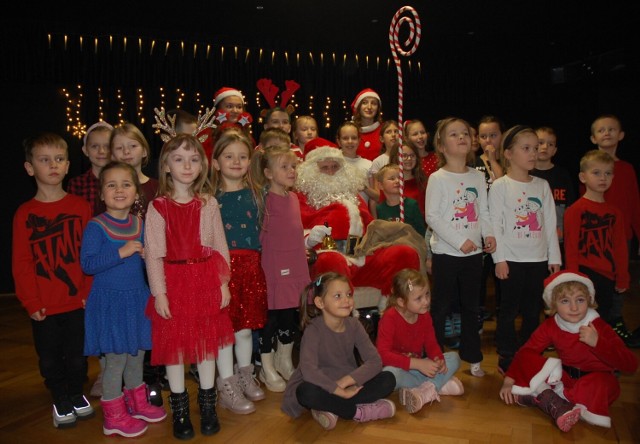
(232, 397)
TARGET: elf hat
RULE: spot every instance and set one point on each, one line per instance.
(365, 93)
(566, 276)
(225, 92)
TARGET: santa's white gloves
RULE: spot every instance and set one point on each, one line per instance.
(316, 235)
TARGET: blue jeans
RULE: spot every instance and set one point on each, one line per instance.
(413, 378)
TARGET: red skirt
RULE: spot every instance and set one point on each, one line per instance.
(198, 328)
(248, 307)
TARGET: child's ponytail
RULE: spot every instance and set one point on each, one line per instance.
(316, 288)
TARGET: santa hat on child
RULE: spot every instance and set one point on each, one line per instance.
(365, 93)
(94, 126)
(566, 276)
(225, 92)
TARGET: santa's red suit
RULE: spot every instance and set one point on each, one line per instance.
(348, 215)
(581, 374)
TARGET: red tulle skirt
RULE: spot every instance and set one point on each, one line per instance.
(198, 328)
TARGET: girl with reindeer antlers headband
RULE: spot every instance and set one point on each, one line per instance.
(278, 116)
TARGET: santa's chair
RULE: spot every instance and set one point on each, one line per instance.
(372, 262)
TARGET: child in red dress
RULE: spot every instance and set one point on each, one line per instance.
(187, 262)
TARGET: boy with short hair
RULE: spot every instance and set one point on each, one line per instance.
(562, 186)
(594, 240)
(581, 382)
(389, 182)
(47, 233)
(607, 133)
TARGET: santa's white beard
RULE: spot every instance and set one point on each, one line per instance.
(322, 189)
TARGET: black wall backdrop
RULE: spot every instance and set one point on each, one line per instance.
(63, 80)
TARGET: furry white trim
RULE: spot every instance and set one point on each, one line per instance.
(563, 276)
(367, 92)
(322, 189)
(549, 374)
(223, 93)
(367, 129)
(592, 418)
(574, 327)
(325, 153)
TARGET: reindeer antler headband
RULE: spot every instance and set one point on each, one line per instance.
(270, 91)
(168, 124)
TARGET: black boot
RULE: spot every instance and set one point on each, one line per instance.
(209, 419)
(182, 428)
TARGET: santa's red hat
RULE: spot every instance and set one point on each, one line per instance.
(566, 276)
(365, 93)
(325, 153)
(225, 92)
(317, 143)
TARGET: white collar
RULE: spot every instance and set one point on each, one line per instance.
(574, 327)
(369, 128)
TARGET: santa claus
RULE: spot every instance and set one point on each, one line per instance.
(331, 205)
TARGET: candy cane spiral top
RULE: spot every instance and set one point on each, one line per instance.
(415, 32)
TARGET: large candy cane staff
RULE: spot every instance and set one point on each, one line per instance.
(415, 31)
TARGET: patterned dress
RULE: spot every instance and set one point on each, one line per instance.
(114, 315)
(248, 306)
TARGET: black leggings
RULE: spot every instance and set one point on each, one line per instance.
(281, 323)
(313, 397)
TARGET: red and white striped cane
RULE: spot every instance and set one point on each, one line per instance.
(415, 32)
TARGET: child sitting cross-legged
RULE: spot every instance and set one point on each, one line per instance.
(408, 346)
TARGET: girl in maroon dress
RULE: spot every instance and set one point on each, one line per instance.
(283, 255)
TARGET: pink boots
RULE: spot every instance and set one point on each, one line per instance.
(453, 387)
(413, 399)
(381, 409)
(248, 383)
(126, 414)
(117, 420)
(139, 406)
(231, 396)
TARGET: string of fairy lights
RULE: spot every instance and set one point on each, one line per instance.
(77, 127)
(106, 99)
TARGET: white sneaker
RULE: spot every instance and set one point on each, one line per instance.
(476, 370)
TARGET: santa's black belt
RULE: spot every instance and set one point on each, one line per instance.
(347, 246)
(575, 373)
